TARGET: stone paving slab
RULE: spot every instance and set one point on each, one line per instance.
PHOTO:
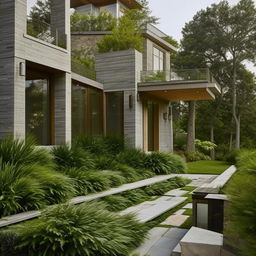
(176, 192)
(175, 220)
(10, 220)
(157, 208)
(188, 206)
(180, 212)
(161, 241)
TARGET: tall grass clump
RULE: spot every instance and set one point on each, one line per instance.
(72, 157)
(23, 152)
(241, 225)
(30, 187)
(163, 163)
(133, 157)
(84, 230)
(27, 180)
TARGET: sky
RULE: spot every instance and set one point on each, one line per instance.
(174, 14)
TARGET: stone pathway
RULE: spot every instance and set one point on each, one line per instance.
(150, 210)
(161, 242)
(196, 181)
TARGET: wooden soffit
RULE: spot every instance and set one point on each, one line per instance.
(132, 4)
(180, 92)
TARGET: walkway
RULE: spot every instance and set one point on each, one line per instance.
(161, 241)
(197, 180)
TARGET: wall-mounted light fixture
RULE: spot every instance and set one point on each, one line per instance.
(22, 69)
(130, 101)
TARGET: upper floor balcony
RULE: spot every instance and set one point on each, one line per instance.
(46, 32)
(176, 85)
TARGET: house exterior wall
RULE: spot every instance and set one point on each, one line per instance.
(17, 47)
(85, 43)
(120, 71)
(148, 55)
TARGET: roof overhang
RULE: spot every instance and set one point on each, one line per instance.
(157, 36)
(132, 4)
(180, 90)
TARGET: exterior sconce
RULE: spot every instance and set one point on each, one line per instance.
(22, 69)
(165, 116)
(130, 101)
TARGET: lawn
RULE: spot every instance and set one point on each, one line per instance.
(207, 167)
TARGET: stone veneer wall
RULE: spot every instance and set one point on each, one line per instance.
(85, 43)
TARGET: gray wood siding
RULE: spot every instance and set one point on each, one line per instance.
(148, 55)
(165, 130)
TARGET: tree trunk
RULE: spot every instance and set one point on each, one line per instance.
(234, 108)
(213, 141)
(231, 141)
(191, 127)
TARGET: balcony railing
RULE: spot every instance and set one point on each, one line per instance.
(177, 75)
(46, 32)
(82, 70)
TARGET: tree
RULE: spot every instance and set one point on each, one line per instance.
(104, 21)
(142, 16)
(224, 34)
(41, 11)
(126, 35)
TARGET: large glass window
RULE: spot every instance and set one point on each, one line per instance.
(78, 110)
(152, 126)
(158, 59)
(95, 111)
(87, 111)
(114, 109)
(38, 110)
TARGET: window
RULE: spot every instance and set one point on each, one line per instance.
(158, 60)
(114, 109)
(87, 111)
(78, 110)
(202, 215)
(95, 112)
(38, 110)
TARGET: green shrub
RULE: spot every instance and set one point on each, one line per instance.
(196, 156)
(72, 157)
(246, 161)
(241, 228)
(84, 230)
(23, 152)
(114, 144)
(90, 22)
(115, 178)
(116, 203)
(132, 157)
(92, 144)
(231, 157)
(162, 163)
(135, 196)
(103, 163)
(98, 181)
(128, 172)
(30, 187)
(57, 186)
(18, 190)
(165, 186)
(126, 35)
(81, 183)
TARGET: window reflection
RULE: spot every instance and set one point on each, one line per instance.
(114, 109)
(37, 110)
(87, 111)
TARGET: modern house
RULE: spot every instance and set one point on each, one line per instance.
(131, 94)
